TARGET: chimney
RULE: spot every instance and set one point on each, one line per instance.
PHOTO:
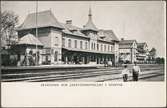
(69, 22)
(122, 39)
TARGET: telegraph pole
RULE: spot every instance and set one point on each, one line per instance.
(36, 60)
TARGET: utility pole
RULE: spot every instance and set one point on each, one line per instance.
(36, 60)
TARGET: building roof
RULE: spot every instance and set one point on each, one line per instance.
(107, 35)
(90, 25)
(72, 30)
(141, 45)
(29, 39)
(44, 19)
(126, 43)
(47, 19)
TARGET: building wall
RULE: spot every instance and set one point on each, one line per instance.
(54, 40)
(56, 45)
(73, 39)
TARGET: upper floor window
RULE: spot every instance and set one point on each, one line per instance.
(81, 45)
(86, 45)
(101, 47)
(104, 47)
(63, 42)
(75, 44)
(108, 47)
(111, 48)
(97, 46)
(92, 46)
(69, 43)
(55, 56)
(56, 41)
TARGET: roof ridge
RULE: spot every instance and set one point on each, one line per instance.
(40, 12)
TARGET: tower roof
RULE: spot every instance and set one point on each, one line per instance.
(90, 25)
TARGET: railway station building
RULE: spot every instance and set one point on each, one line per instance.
(64, 43)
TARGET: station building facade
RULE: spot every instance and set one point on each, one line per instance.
(69, 44)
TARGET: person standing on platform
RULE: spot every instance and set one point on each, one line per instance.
(125, 73)
(135, 72)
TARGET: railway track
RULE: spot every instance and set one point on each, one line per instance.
(65, 75)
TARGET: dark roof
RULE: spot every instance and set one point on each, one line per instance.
(45, 19)
(125, 46)
(107, 35)
(72, 30)
(126, 43)
(141, 45)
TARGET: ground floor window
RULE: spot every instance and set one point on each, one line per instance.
(55, 56)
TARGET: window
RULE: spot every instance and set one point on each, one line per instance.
(80, 44)
(69, 43)
(92, 46)
(86, 45)
(111, 48)
(56, 41)
(97, 46)
(63, 42)
(104, 47)
(101, 47)
(55, 56)
(75, 44)
(108, 47)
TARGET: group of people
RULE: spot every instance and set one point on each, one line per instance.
(135, 72)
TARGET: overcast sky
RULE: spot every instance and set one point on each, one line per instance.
(140, 20)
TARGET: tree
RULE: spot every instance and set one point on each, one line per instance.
(160, 60)
(8, 21)
(152, 55)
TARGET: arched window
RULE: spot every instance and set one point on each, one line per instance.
(86, 45)
(108, 47)
(101, 47)
(111, 48)
(56, 41)
(97, 46)
(75, 44)
(81, 45)
(104, 47)
(92, 46)
(63, 42)
(69, 43)
(55, 56)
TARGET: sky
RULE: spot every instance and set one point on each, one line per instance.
(144, 21)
